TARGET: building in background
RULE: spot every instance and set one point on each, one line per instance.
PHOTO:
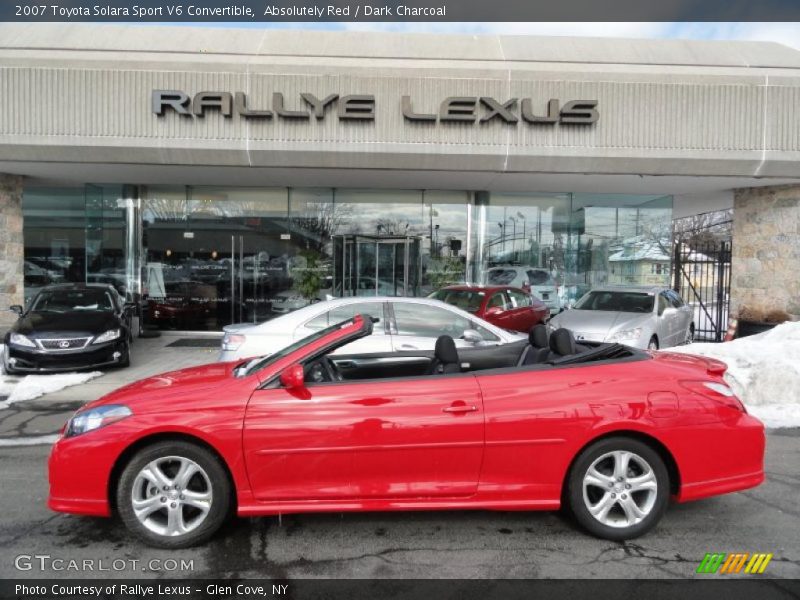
(229, 177)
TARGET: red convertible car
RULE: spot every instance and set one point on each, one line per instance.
(610, 431)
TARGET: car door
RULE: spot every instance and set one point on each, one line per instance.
(522, 317)
(417, 325)
(379, 341)
(683, 319)
(499, 310)
(401, 438)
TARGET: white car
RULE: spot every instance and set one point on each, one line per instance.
(643, 317)
(531, 279)
(402, 324)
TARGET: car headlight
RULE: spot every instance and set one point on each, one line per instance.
(232, 341)
(95, 418)
(108, 336)
(626, 335)
(21, 340)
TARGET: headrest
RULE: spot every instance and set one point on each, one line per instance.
(537, 336)
(445, 349)
(562, 342)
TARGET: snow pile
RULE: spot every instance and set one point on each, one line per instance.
(33, 386)
(763, 370)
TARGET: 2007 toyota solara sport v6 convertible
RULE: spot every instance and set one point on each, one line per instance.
(611, 432)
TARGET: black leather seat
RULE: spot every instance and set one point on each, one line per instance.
(538, 348)
(445, 357)
(562, 343)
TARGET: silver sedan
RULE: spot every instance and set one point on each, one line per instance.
(402, 324)
(641, 317)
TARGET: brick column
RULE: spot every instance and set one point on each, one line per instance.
(11, 247)
(765, 270)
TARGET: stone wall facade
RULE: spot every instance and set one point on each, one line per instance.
(765, 274)
(11, 247)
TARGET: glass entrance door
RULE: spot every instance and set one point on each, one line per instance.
(376, 266)
(214, 258)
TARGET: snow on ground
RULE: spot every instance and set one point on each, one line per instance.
(763, 370)
(14, 389)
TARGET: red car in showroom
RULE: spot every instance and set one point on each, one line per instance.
(507, 307)
(612, 431)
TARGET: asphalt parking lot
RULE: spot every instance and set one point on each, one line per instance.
(413, 545)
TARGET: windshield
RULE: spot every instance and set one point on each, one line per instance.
(467, 300)
(501, 276)
(73, 300)
(260, 363)
(539, 277)
(633, 302)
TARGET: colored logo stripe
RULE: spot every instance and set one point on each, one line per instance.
(721, 562)
(711, 563)
(758, 563)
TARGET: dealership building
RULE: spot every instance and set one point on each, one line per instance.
(231, 175)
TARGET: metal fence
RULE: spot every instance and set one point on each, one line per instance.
(702, 276)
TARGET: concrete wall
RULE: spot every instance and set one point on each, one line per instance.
(11, 246)
(766, 250)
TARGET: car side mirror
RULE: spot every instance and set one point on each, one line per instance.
(16, 308)
(293, 377)
(472, 336)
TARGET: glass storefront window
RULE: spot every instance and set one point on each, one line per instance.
(206, 256)
(54, 221)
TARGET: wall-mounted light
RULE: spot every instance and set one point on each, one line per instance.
(214, 255)
(168, 253)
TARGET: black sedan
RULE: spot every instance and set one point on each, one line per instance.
(67, 328)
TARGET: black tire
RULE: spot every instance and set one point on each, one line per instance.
(653, 343)
(220, 487)
(126, 359)
(575, 489)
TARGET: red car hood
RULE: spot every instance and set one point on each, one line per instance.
(167, 391)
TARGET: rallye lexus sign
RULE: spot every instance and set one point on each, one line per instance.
(482, 109)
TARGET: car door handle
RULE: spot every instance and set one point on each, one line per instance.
(408, 346)
(461, 408)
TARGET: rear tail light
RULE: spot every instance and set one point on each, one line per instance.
(232, 341)
(717, 391)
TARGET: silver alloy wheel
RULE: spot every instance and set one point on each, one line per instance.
(171, 496)
(620, 489)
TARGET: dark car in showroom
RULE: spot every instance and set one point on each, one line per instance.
(507, 307)
(69, 327)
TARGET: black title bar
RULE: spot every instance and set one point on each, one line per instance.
(266, 11)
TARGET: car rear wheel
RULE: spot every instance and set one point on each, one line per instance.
(173, 494)
(618, 488)
(690, 334)
(653, 343)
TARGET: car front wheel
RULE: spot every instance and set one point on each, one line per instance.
(618, 488)
(173, 494)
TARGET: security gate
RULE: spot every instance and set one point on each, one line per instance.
(702, 276)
